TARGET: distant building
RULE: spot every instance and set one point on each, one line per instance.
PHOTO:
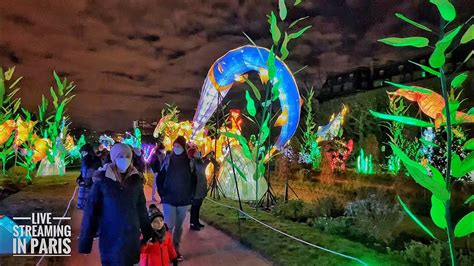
(373, 77)
(146, 127)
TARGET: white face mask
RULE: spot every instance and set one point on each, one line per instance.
(122, 164)
(178, 150)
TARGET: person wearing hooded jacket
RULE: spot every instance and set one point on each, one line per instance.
(158, 250)
(116, 208)
(176, 184)
(89, 164)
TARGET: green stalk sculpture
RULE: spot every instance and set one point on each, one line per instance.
(262, 148)
(53, 126)
(9, 107)
(429, 176)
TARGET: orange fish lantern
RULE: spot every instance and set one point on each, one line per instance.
(431, 104)
(6, 130)
(23, 130)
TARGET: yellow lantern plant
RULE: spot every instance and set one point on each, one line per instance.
(22, 131)
(6, 130)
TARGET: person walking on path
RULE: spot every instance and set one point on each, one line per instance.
(89, 164)
(158, 250)
(199, 165)
(158, 156)
(176, 185)
(117, 209)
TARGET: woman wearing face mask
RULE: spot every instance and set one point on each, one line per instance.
(89, 163)
(116, 208)
(176, 185)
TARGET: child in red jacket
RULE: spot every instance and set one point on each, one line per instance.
(159, 249)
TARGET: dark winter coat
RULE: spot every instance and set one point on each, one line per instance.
(176, 182)
(156, 160)
(89, 164)
(199, 166)
(117, 210)
(158, 253)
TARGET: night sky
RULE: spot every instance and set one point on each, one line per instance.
(130, 57)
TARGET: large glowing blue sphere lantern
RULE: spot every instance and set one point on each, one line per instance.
(231, 67)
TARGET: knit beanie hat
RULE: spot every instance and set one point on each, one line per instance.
(154, 212)
(119, 148)
(181, 141)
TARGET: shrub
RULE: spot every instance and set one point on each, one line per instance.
(333, 226)
(417, 253)
(375, 217)
(293, 210)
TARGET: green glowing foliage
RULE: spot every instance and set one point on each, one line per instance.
(428, 143)
(414, 23)
(364, 163)
(297, 34)
(402, 119)
(414, 218)
(296, 22)
(271, 64)
(250, 104)
(297, 2)
(438, 212)
(459, 80)
(417, 42)
(235, 167)
(465, 226)
(406, 87)
(274, 30)
(265, 131)
(276, 90)
(8, 90)
(243, 142)
(461, 168)
(437, 58)
(261, 170)
(254, 88)
(468, 35)
(445, 8)
(427, 69)
(284, 49)
(471, 198)
(420, 175)
(282, 8)
(469, 145)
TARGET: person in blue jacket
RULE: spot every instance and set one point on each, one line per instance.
(176, 184)
(116, 208)
(89, 164)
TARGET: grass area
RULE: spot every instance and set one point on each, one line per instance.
(283, 250)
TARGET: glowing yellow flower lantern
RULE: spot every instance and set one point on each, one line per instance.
(23, 130)
(6, 130)
(40, 149)
(69, 143)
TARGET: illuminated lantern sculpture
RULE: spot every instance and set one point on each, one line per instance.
(432, 104)
(230, 68)
(236, 119)
(247, 187)
(6, 130)
(23, 129)
(331, 130)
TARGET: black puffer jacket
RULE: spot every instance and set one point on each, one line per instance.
(118, 211)
(176, 182)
